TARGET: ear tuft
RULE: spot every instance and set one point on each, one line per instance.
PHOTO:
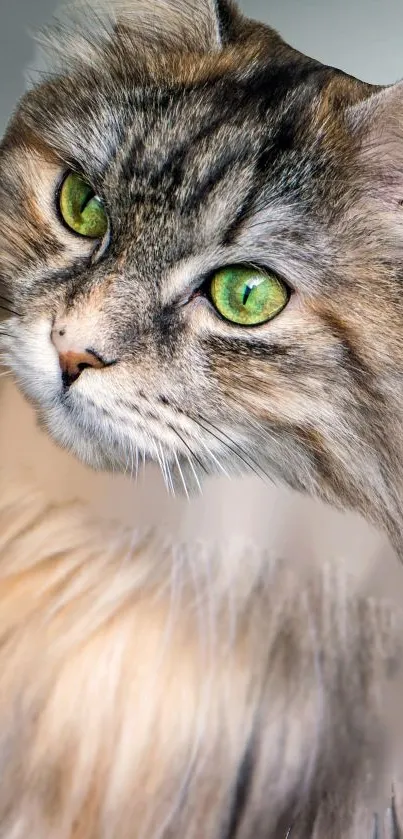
(378, 104)
(192, 23)
(86, 28)
(208, 23)
(377, 123)
(376, 126)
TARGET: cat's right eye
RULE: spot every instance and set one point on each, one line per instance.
(248, 296)
(81, 209)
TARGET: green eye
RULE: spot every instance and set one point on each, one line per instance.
(248, 296)
(81, 209)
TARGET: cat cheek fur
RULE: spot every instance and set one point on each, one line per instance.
(241, 149)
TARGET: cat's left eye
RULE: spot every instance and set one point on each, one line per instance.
(248, 296)
(81, 209)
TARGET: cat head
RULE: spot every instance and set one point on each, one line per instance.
(201, 231)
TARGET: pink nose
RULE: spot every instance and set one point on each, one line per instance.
(73, 363)
(74, 359)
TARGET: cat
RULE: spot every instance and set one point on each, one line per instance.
(206, 143)
(200, 246)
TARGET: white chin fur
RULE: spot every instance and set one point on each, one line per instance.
(33, 360)
(77, 422)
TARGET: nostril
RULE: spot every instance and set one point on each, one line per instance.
(69, 378)
(73, 363)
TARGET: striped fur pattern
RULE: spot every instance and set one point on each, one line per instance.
(235, 148)
(144, 692)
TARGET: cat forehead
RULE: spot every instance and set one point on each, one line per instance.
(162, 129)
(153, 69)
(214, 154)
(91, 120)
(118, 67)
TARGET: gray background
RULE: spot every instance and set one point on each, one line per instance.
(363, 37)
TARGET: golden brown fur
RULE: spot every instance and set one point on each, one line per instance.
(157, 693)
(138, 682)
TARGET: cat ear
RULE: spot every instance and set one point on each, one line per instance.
(376, 127)
(231, 23)
(200, 25)
(82, 28)
(193, 24)
(376, 104)
(377, 123)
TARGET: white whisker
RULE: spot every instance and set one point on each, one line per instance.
(158, 456)
(169, 473)
(181, 475)
(163, 466)
(132, 472)
(214, 458)
(190, 461)
(137, 460)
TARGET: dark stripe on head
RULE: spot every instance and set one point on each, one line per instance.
(134, 168)
(218, 171)
(243, 215)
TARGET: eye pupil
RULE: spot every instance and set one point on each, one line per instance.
(81, 209)
(248, 296)
(86, 199)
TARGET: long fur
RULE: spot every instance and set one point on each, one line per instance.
(160, 693)
(141, 685)
(79, 32)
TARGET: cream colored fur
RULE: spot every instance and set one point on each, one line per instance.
(132, 673)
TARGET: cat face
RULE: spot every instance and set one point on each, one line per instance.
(201, 241)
